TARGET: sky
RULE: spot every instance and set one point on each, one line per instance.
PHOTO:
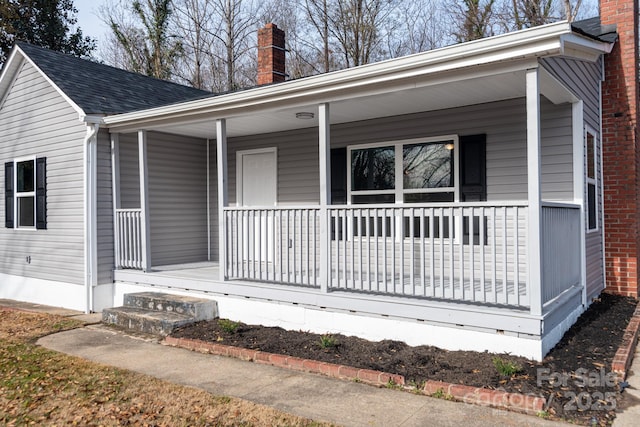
(88, 20)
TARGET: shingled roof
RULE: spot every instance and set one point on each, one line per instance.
(593, 28)
(102, 89)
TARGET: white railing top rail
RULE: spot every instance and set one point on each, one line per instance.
(496, 204)
(128, 210)
(518, 203)
(566, 205)
(271, 208)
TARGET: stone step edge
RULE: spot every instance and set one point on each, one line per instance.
(467, 394)
(624, 356)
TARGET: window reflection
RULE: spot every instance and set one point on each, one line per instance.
(427, 165)
(373, 169)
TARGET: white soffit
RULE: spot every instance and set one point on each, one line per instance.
(492, 88)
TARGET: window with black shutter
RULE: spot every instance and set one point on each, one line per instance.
(25, 193)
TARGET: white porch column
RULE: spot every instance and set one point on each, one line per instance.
(534, 243)
(324, 140)
(144, 200)
(115, 191)
(223, 193)
(579, 187)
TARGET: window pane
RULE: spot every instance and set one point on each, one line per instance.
(591, 206)
(428, 165)
(591, 159)
(373, 169)
(25, 176)
(428, 197)
(373, 199)
(25, 211)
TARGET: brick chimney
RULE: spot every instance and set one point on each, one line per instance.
(621, 150)
(271, 55)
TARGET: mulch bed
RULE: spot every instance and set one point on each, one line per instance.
(575, 377)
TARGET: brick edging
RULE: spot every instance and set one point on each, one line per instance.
(330, 369)
(486, 397)
(475, 395)
(624, 356)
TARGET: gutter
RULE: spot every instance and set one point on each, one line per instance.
(90, 210)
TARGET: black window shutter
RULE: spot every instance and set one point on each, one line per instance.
(8, 195)
(41, 193)
(473, 180)
(339, 176)
(473, 168)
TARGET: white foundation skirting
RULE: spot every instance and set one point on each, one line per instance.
(375, 328)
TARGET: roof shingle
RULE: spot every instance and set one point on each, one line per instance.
(102, 89)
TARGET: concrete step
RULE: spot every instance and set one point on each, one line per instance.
(142, 320)
(197, 308)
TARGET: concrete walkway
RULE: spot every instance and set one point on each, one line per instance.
(630, 415)
(307, 395)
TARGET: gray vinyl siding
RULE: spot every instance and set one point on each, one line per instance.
(35, 120)
(129, 178)
(177, 172)
(504, 123)
(584, 79)
(105, 210)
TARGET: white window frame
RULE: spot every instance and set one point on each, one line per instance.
(17, 195)
(591, 181)
(399, 191)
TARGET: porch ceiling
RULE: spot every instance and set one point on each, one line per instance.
(412, 99)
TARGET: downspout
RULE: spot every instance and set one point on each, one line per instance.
(90, 213)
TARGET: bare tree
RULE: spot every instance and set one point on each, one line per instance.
(531, 13)
(475, 19)
(318, 14)
(146, 43)
(419, 27)
(192, 18)
(571, 10)
(357, 27)
(235, 24)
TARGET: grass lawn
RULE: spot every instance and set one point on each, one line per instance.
(42, 387)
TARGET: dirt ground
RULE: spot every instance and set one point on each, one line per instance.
(575, 376)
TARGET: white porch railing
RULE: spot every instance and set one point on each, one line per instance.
(472, 252)
(128, 238)
(273, 244)
(560, 248)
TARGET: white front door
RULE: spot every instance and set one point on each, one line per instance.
(257, 186)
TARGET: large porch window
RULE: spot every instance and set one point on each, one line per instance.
(425, 165)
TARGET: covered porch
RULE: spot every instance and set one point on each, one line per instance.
(498, 248)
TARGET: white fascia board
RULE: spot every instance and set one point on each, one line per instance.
(73, 105)
(530, 43)
(580, 47)
(9, 73)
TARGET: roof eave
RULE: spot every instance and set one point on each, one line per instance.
(547, 40)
